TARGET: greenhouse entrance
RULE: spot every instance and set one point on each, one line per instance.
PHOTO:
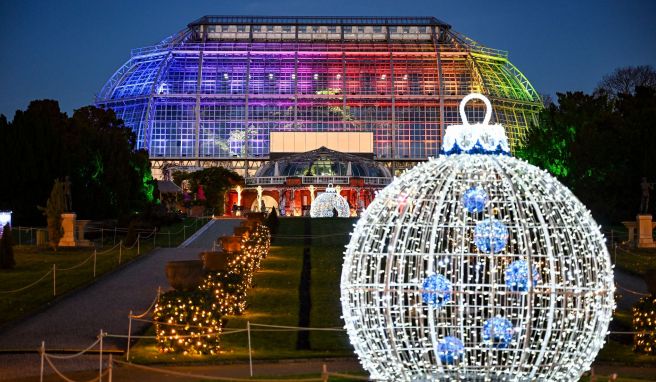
(292, 182)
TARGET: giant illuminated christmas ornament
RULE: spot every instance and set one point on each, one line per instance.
(328, 202)
(476, 266)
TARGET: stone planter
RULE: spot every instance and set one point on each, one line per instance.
(215, 261)
(242, 231)
(231, 243)
(184, 275)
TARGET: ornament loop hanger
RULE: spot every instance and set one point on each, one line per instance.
(479, 96)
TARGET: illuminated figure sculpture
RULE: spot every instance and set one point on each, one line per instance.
(476, 266)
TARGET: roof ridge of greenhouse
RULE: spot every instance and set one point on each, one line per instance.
(323, 20)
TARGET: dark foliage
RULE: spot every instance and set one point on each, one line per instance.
(216, 181)
(7, 248)
(600, 148)
(272, 221)
(109, 177)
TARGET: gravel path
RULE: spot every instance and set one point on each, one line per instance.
(74, 321)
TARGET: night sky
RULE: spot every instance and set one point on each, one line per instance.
(66, 50)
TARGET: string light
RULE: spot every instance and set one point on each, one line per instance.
(644, 324)
(433, 221)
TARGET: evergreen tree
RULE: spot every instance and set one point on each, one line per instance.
(7, 248)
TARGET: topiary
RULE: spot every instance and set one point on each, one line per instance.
(7, 248)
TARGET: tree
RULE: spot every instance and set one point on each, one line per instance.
(215, 181)
(53, 210)
(598, 147)
(109, 177)
(625, 80)
(7, 248)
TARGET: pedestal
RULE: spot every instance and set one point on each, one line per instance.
(80, 227)
(645, 228)
(68, 225)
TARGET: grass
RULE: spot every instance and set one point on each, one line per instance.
(33, 262)
(274, 301)
(634, 260)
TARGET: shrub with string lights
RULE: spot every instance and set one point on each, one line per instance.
(228, 290)
(188, 323)
(476, 266)
(644, 325)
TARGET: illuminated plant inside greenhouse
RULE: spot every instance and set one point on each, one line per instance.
(326, 203)
(476, 266)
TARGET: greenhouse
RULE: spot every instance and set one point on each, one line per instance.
(216, 92)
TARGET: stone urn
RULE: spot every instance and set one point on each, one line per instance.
(185, 275)
(242, 231)
(215, 261)
(231, 243)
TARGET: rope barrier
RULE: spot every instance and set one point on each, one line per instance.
(76, 354)
(206, 377)
(633, 291)
(65, 378)
(152, 305)
(28, 286)
(76, 266)
(301, 328)
(109, 250)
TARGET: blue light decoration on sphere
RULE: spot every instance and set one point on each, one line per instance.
(450, 349)
(436, 290)
(499, 331)
(475, 199)
(517, 276)
(490, 236)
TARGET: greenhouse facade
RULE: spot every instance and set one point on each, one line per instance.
(235, 90)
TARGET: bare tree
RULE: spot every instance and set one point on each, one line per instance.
(624, 80)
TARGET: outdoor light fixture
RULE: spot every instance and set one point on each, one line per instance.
(476, 266)
(5, 218)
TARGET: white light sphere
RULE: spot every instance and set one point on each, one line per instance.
(325, 204)
(426, 295)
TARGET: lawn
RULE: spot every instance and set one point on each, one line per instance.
(73, 269)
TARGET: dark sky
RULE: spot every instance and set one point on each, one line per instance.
(66, 50)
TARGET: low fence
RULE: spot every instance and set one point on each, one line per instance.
(117, 250)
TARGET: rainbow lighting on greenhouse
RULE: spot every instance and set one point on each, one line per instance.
(218, 91)
(476, 266)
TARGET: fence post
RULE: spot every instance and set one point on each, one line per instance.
(154, 236)
(100, 357)
(184, 231)
(94, 263)
(139, 244)
(615, 253)
(324, 373)
(114, 235)
(120, 251)
(127, 351)
(54, 279)
(42, 350)
(250, 353)
(19, 236)
(109, 367)
(169, 238)
(102, 237)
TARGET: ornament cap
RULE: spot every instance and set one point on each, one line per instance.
(479, 138)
